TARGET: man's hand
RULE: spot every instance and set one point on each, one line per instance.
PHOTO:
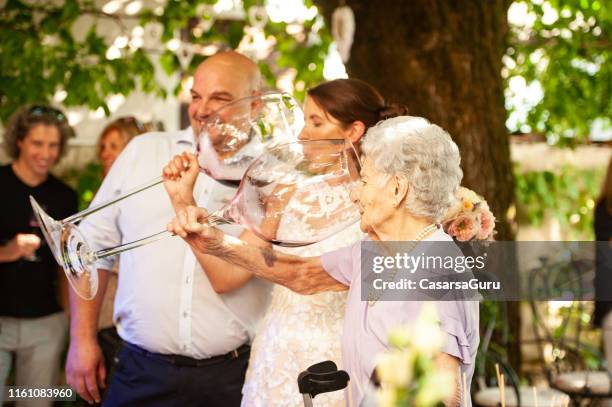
(180, 175)
(190, 224)
(85, 371)
(22, 245)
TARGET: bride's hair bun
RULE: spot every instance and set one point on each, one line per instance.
(392, 110)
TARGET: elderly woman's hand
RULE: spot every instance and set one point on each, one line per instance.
(180, 175)
(190, 224)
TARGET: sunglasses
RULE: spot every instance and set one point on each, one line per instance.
(40, 111)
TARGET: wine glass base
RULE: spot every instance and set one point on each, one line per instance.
(78, 261)
(51, 229)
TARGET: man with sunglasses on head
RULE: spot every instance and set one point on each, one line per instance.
(32, 323)
(183, 343)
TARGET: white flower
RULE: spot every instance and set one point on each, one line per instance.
(437, 386)
(427, 338)
(386, 397)
(395, 367)
(402, 337)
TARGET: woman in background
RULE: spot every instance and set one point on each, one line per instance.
(113, 139)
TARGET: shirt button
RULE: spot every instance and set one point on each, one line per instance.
(185, 314)
(184, 347)
(187, 280)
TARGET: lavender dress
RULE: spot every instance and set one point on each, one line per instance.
(366, 328)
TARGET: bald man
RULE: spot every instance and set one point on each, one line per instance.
(183, 344)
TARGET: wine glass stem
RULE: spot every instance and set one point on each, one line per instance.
(100, 254)
(92, 209)
(212, 220)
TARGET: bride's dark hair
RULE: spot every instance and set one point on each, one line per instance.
(392, 110)
(350, 100)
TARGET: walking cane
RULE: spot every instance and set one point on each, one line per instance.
(323, 377)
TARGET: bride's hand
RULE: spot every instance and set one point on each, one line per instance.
(180, 175)
(190, 224)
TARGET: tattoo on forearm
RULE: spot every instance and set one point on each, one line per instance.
(269, 256)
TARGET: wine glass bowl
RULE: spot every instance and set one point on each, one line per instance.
(235, 135)
(51, 229)
(303, 182)
(71, 251)
(78, 261)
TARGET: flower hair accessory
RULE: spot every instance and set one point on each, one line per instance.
(470, 218)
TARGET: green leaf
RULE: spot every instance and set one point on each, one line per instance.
(168, 62)
(70, 10)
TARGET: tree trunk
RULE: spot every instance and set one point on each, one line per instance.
(442, 59)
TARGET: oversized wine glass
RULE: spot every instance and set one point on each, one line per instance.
(230, 139)
(304, 181)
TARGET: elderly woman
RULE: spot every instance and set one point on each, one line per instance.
(410, 174)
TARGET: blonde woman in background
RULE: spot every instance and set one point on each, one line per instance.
(113, 139)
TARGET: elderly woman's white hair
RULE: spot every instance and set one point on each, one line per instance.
(422, 152)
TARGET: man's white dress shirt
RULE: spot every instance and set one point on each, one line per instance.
(164, 301)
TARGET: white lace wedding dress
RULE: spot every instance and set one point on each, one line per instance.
(299, 330)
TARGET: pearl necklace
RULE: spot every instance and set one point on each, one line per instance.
(420, 236)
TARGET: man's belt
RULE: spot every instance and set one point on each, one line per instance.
(180, 360)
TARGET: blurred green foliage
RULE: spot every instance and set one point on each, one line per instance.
(40, 53)
(565, 46)
(579, 318)
(568, 195)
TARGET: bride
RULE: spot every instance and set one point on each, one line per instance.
(298, 331)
